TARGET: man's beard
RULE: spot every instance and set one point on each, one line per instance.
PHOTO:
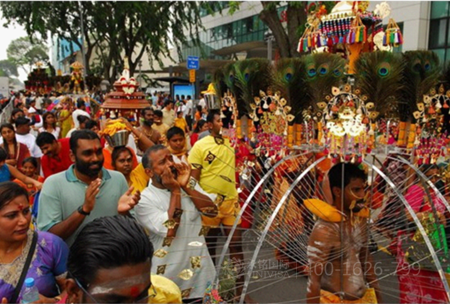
(83, 167)
(148, 122)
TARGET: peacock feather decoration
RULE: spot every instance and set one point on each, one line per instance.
(380, 78)
(289, 79)
(421, 74)
(323, 72)
(252, 76)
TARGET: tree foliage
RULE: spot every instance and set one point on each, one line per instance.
(8, 68)
(23, 53)
(112, 29)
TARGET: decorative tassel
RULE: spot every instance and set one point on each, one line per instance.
(396, 38)
(329, 42)
(341, 39)
(384, 40)
(400, 38)
(309, 41)
(352, 40)
(364, 34)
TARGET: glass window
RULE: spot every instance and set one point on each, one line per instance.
(441, 54)
(439, 9)
(228, 30)
(248, 24)
(438, 28)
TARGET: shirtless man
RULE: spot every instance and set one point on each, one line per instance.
(146, 127)
(341, 268)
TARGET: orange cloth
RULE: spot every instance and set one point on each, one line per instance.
(368, 298)
(30, 188)
(107, 156)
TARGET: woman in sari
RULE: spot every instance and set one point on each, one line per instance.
(48, 255)
(16, 151)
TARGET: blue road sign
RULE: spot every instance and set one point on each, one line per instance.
(193, 63)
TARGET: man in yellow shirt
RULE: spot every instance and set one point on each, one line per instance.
(213, 166)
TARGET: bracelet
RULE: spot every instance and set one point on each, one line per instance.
(57, 299)
(177, 213)
(81, 211)
(192, 183)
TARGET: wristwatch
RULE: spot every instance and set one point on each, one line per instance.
(81, 211)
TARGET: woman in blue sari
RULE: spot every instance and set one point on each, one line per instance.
(48, 257)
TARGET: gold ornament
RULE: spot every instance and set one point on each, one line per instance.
(186, 274)
(161, 269)
(195, 244)
(204, 231)
(195, 262)
(168, 241)
(170, 224)
(160, 253)
(185, 293)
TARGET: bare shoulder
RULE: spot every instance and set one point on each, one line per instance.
(324, 231)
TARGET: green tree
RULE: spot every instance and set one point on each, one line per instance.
(24, 53)
(113, 29)
(8, 68)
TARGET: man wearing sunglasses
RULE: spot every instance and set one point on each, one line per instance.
(110, 262)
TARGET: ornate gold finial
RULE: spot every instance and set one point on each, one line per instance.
(125, 63)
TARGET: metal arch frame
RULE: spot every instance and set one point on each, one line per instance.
(419, 226)
(269, 224)
(243, 209)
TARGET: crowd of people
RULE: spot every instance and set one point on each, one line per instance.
(91, 222)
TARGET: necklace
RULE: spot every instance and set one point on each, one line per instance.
(149, 135)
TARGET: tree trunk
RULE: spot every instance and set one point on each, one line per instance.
(269, 16)
(287, 42)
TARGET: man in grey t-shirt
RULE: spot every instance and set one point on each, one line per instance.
(72, 198)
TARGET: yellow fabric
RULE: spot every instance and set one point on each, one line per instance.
(162, 129)
(166, 290)
(227, 213)
(66, 125)
(139, 179)
(217, 163)
(180, 123)
(327, 212)
(368, 298)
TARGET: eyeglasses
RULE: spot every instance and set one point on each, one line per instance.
(143, 297)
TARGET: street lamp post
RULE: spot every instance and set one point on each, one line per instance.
(140, 75)
(82, 37)
(269, 38)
